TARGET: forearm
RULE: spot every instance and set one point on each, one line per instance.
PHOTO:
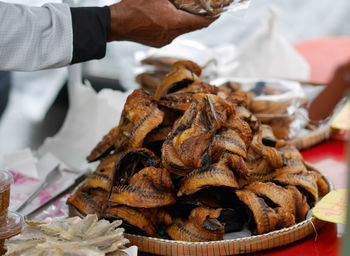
(35, 38)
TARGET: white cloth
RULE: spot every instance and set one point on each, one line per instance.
(33, 38)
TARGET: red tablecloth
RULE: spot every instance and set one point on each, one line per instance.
(324, 55)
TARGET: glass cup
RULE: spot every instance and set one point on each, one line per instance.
(13, 226)
(6, 180)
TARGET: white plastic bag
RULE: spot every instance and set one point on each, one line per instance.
(268, 54)
(90, 116)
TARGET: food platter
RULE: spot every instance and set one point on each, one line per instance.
(227, 247)
(210, 167)
(236, 246)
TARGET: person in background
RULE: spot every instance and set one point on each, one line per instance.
(323, 105)
(55, 35)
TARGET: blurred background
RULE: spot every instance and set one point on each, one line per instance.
(38, 101)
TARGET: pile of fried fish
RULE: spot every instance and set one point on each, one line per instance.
(190, 162)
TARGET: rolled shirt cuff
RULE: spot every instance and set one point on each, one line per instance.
(90, 30)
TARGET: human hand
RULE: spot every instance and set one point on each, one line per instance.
(152, 22)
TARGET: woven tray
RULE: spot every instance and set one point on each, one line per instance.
(313, 138)
(249, 244)
(227, 247)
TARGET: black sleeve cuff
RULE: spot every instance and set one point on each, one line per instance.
(90, 30)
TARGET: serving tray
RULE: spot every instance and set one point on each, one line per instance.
(227, 247)
(249, 244)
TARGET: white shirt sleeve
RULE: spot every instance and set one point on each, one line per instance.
(34, 38)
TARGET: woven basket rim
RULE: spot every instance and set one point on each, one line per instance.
(296, 226)
(270, 235)
(313, 138)
(283, 230)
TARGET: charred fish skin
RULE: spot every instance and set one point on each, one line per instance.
(305, 182)
(186, 146)
(103, 176)
(265, 218)
(181, 100)
(91, 196)
(214, 176)
(104, 146)
(131, 162)
(138, 197)
(241, 127)
(202, 226)
(229, 140)
(277, 198)
(99, 181)
(155, 139)
(271, 154)
(139, 117)
(275, 193)
(158, 178)
(171, 160)
(300, 202)
(183, 72)
(181, 232)
(133, 217)
(87, 203)
(157, 215)
(322, 185)
(151, 187)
